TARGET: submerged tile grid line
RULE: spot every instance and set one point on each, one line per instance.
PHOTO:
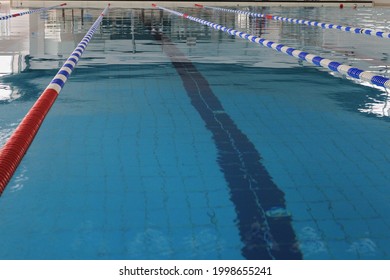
(325, 230)
(337, 190)
(252, 190)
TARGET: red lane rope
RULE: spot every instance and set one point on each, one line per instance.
(17, 145)
(13, 151)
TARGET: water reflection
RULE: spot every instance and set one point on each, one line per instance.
(6, 132)
(20, 179)
(42, 42)
(378, 105)
(239, 65)
(7, 93)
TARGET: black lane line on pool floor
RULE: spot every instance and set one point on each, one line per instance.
(264, 224)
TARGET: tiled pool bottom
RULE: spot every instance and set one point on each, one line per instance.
(326, 157)
(124, 167)
(121, 174)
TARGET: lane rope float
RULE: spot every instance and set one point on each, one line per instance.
(354, 30)
(343, 69)
(31, 12)
(17, 145)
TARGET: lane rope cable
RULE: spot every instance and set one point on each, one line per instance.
(31, 12)
(343, 69)
(17, 145)
(355, 30)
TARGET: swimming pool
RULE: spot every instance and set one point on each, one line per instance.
(194, 144)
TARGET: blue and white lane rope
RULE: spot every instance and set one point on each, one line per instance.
(355, 30)
(352, 72)
(60, 79)
(13, 151)
(31, 12)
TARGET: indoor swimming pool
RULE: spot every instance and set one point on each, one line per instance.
(172, 140)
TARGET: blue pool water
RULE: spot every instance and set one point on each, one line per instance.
(197, 145)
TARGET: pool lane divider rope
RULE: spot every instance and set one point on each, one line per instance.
(17, 145)
(354, 30)
(31, 12)
(343, 69)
